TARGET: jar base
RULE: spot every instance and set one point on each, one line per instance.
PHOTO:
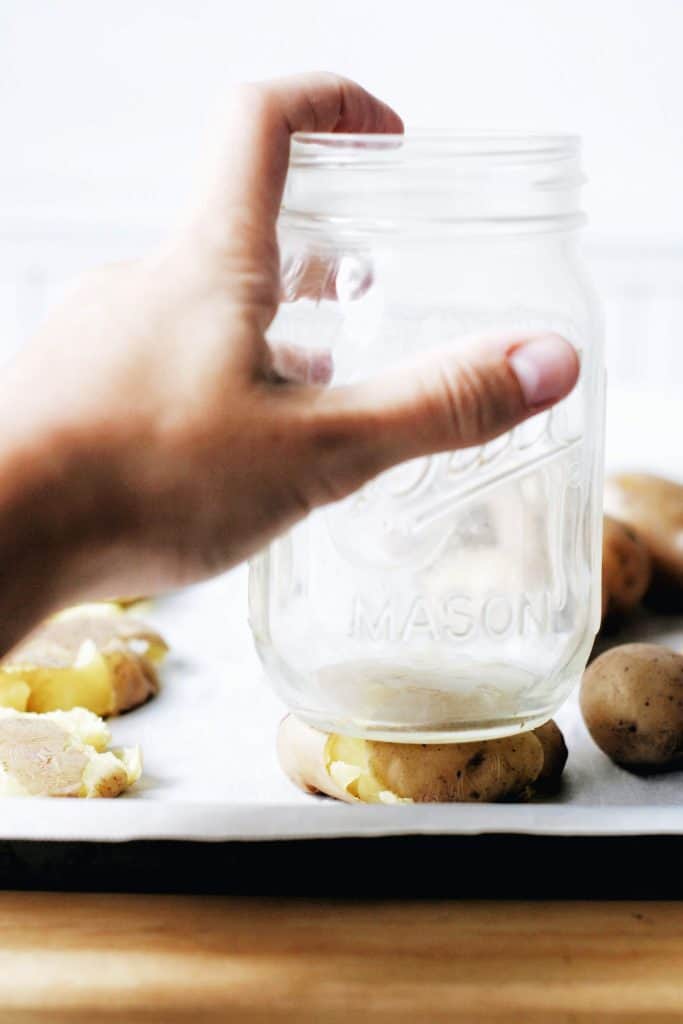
(444, 732)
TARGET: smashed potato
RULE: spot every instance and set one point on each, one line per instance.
(632, 703)
(368, 771)
(62, 753)
(92, 656)
(554, 757)
(626, 569)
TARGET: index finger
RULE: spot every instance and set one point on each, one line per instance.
(263, 117)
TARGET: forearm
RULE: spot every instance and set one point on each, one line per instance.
(55, 531)
(35, 535)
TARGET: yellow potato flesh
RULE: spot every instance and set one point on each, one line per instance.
(51, 689)
(14, 692)
(156, 650)
(348, 763)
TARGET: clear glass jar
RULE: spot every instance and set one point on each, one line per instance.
(455, 597)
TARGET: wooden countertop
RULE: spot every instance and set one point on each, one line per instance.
(76, 957)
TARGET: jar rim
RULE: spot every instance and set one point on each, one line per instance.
(321, 147)
(449, 180)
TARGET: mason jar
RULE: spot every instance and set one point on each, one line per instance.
(455, 597)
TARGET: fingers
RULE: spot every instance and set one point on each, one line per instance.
(330, 275)
(293, 364)
(455, 399)
(249, 186)
(310, 276)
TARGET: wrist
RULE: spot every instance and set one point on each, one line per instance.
(53, 540)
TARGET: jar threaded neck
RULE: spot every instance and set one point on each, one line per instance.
(493, 180)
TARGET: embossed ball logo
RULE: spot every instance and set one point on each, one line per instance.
(407, 515)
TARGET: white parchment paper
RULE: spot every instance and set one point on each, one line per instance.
(211, 772)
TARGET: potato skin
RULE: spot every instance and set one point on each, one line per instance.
(301, 751)
(626, 569)
(463, 772)
(653, 506)
(554, 757)
(632, 703)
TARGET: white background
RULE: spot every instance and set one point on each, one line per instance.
(104, 104)
(107, 107)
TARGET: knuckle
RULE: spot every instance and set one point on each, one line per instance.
(251, 98)
(319, 81)
(331, 463)
(476, 401)
(328, 78)
(298, 499)
(460, 401)
(325, 97)
(338, 461)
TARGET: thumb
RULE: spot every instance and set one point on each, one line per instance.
(454, 399)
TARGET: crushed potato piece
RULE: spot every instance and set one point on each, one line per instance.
(62, 753)
(92, 656)
(368, 771)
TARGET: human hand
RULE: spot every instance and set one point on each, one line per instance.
(152, 441)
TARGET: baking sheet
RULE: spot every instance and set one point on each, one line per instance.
(211, 772)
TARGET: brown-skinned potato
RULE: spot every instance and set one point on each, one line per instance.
(632, 703)
(626, 569)
(554, 757)
(653, 507)
(368, 771)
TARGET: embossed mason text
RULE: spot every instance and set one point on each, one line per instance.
(454, 617)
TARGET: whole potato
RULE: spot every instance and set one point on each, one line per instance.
(653, 506)
(626, 569)
(369, 771)
(632, 703)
